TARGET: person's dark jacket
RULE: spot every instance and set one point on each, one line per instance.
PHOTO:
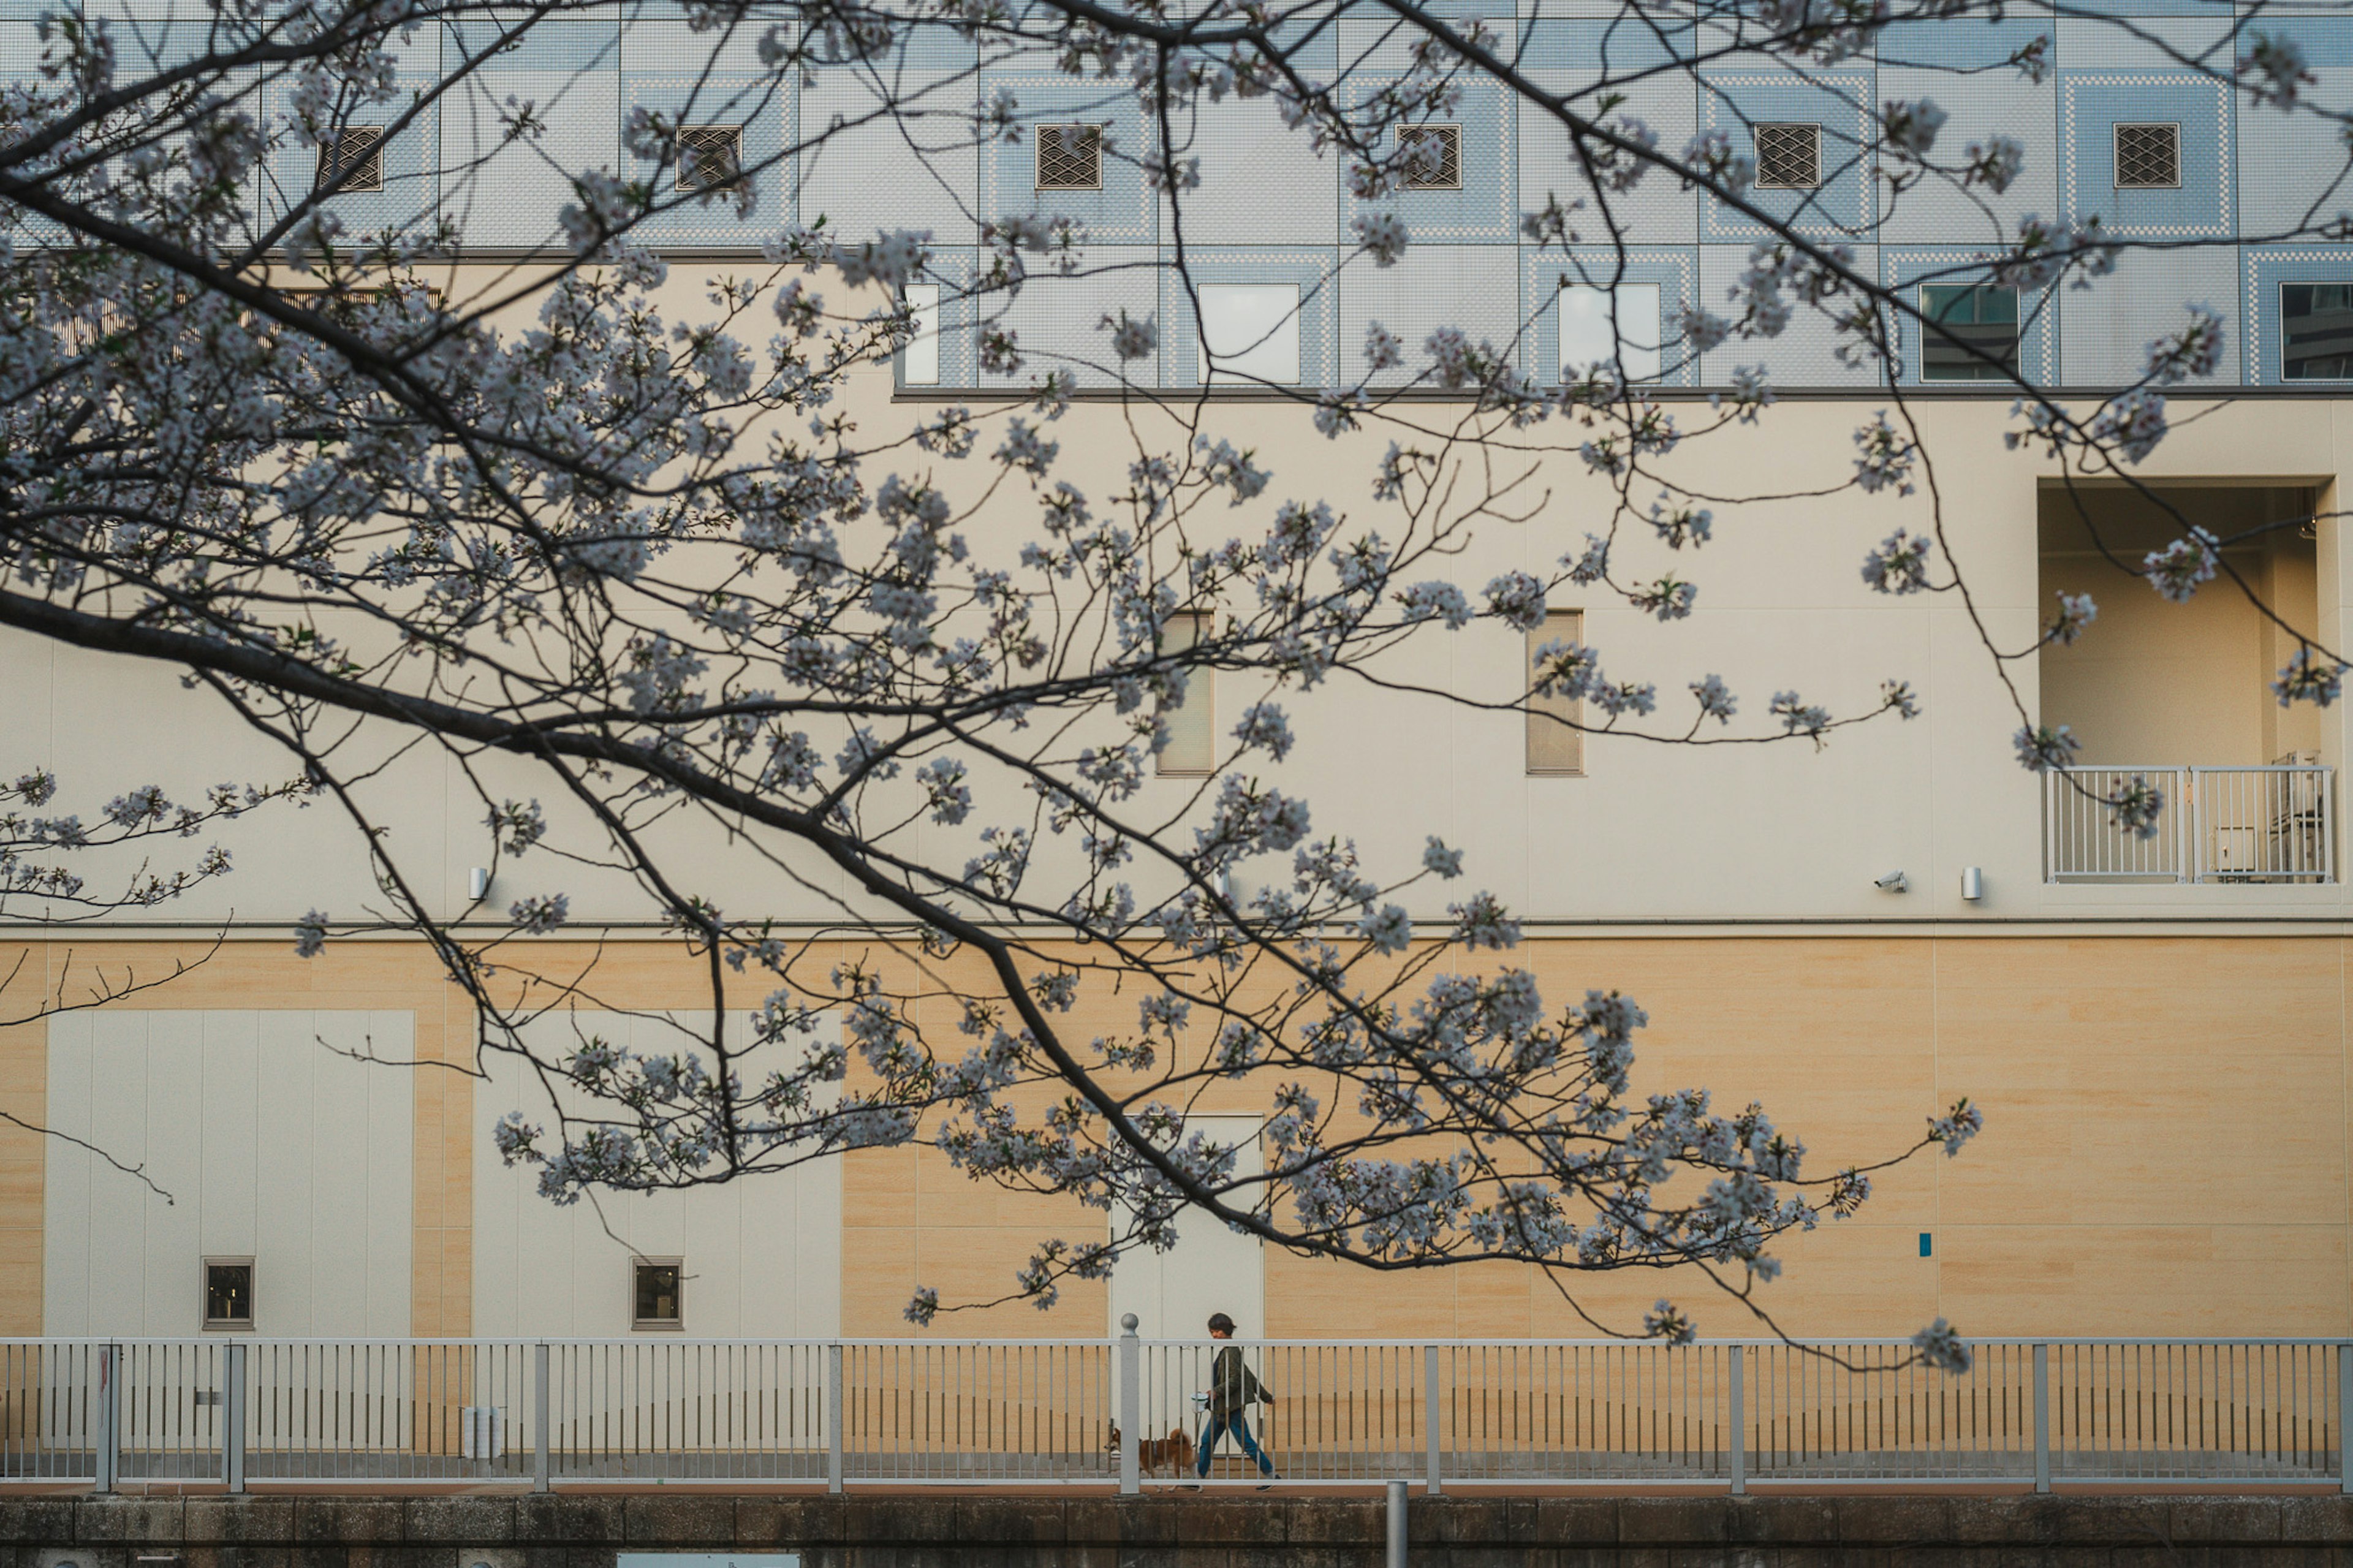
(1232, 1385)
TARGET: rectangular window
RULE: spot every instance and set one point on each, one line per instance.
(709, 157)
(1069, 157)
(1789, 156)
(1433, 157)
(356, 155)
(919, 362)
(2149, 157)
(228, 1293)
(1191, 719)
(1250, 332)
(1617, 326)
(1553, 746)
(657, 1293)
(2316, 331)
(1965, 320)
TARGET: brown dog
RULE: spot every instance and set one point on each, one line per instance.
(1172, 1453)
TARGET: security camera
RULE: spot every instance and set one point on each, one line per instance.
(1893, 882)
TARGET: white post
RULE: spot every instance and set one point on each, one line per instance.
(1433, 1413)
(2042, 1418)
(1736, 1452)
(540, 1405)
(109, 1458)
(1131, 1401)
(835, 1404)
(2344, 1405)
(232, 1416)
(1397, 1525)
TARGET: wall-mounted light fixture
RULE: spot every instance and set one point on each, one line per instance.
(478, 882)
(1972, 883)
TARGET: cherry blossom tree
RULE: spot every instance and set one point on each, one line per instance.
(528, 511)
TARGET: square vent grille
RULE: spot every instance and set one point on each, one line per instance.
(358, 154)
(1789, 156)
(2149, 157)
(1433, 157)
(709, 157)
(1069, 157)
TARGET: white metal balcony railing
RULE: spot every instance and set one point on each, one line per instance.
(546, 1414)
(2275, 824)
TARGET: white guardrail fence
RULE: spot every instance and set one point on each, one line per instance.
(238, 1412)
(2273, 824)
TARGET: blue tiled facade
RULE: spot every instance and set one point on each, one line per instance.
(1270, 212)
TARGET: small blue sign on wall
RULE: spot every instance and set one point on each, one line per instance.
(1927, 1249)
(707, 1560)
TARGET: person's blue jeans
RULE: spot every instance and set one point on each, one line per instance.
(1221, 1425)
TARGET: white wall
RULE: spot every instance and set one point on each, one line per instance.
(269, 1145)
(763, 1256)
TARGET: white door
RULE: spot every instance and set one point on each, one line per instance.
(1211, 1269)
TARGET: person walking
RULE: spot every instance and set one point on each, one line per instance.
(1233, 1388)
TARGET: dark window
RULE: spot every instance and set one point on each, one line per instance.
(1965, 320)
(660, 1294)
(1788, 157)
(356, 156)
(1433, 157)
(1069, 157)
(2149, 157)
(709, 157)
(228, 1293)
(2316, 331)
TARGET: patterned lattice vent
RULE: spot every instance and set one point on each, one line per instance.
(1433, 157)
(709, 157)
(1788, 157)
(358, 154)
(2149, 157)
(1069, 157)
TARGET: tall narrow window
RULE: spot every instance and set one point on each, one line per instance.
(709, 157)
(657, 1293)
(1433, 157)
(1554, 747)
(1190, 719)
(1069, 157)
(228, 1293)
(355, 156)
(919, 361)
(1250, 332)
(1789, 156)
(1971, 333)
(2149, 157)
(1612, 326)
(2316, 331)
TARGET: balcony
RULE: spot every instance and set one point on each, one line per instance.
(2274, 824)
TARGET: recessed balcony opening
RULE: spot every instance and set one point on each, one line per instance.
(2178, 695)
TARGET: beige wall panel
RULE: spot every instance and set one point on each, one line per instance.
(23, 1095)
(2153, 1279)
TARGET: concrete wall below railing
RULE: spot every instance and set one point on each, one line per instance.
(939, 1531)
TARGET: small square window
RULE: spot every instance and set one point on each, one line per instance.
(1965, 321)
(1616, 327)
(1788, 157)
(2316, 331)
(1250, 333)
(658, 1296)
(709, 157)
(2149, 157)
(1069, 157)
(228, 1293)
(356, 155)
(1433, 157)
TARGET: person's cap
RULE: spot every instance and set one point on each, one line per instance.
(1220, 1324)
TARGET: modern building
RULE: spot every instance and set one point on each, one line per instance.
(2159, 1031)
